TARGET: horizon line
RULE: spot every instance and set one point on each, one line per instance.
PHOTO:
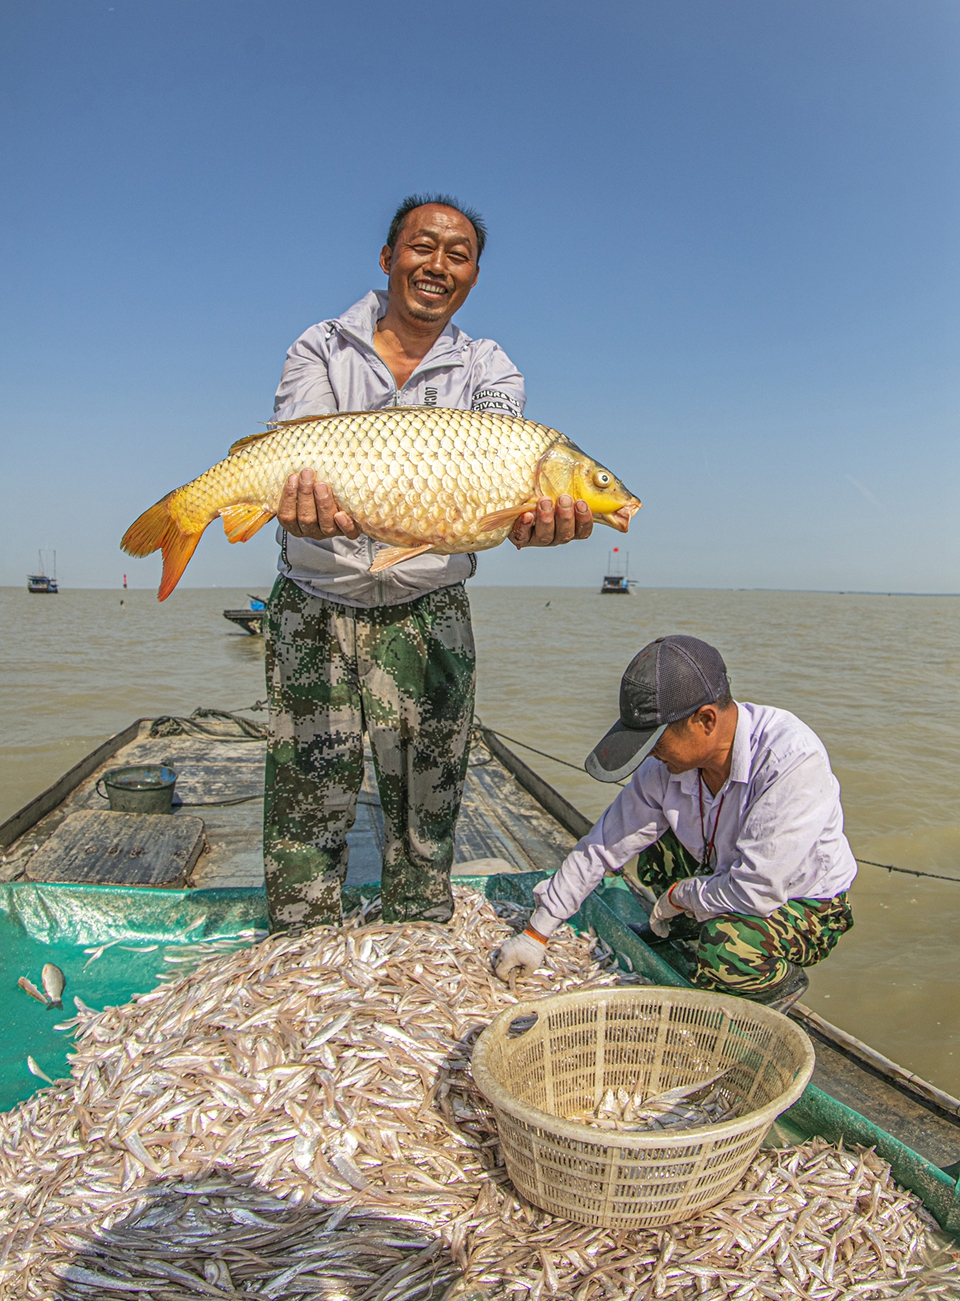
(529, 587)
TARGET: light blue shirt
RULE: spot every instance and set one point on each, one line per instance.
(334, 366)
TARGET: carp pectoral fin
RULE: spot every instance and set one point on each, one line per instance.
(555, 469)
(241, 521)
(501, 517)
(396, 556)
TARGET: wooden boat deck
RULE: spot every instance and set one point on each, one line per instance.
(509, 814)
(220, 779)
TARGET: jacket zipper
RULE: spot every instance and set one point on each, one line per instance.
(438, 364)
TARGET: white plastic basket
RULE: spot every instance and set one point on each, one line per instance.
(653, 1037)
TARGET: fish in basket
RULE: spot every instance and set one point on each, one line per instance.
(567, 1141)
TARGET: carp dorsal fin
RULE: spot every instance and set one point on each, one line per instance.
(396, 556)
(250, 438)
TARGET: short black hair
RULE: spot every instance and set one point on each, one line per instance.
(722, 702)
(444, 200)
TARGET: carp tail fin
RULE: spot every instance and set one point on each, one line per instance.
(156, 529)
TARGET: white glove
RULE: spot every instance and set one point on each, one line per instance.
(524, 951)
(663, 910)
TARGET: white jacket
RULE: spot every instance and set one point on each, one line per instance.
(334, 366)
(776, 825)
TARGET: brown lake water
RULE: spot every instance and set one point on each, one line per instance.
(878, 677)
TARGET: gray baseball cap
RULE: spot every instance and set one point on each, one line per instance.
(670, 679)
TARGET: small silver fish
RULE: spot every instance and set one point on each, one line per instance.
(34, 1069)
(30, 988)
(53, 983)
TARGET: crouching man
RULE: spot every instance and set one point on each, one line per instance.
(736, 814)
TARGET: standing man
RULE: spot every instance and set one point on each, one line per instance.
(736, 816)
(390, 654)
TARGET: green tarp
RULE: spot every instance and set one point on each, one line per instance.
(59, 923)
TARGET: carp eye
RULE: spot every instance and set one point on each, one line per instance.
(602, 479)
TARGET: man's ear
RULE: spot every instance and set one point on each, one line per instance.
(708, 718)
(386, 259)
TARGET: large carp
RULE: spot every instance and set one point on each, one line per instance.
(418, 478)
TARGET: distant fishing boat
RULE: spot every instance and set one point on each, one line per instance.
(250, 620)
(616, 581)
(43, 582)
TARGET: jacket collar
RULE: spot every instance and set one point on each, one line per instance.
(360, 321)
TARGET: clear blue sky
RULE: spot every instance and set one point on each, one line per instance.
(723, 249)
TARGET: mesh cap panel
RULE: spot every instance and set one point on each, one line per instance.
(690, 673)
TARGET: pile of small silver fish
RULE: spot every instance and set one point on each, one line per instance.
(223, 1239)
(297, 1119)
(702, 1103)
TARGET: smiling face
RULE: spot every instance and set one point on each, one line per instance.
(433, 265)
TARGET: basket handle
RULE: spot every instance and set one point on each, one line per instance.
(521, 1024)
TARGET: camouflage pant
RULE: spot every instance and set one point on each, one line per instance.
(405, 675)
(744, 954)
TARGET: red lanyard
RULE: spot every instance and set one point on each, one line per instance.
(708, 849)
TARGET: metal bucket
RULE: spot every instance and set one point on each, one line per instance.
(146, 788)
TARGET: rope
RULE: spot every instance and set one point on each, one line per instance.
(908, 871)
(542, 753)
(173, 725)
(888, 867)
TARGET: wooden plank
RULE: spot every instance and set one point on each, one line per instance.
(554, 803)
(39, 807)
(509, 814)
(120, 849)
(208, 771)
(849, 1044)
(886, 1105)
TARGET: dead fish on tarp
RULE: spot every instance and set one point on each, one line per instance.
(53, 983)
(687, 1106)
(29, 987)
(34, 1069)
(421, 479)
(205, 1065)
